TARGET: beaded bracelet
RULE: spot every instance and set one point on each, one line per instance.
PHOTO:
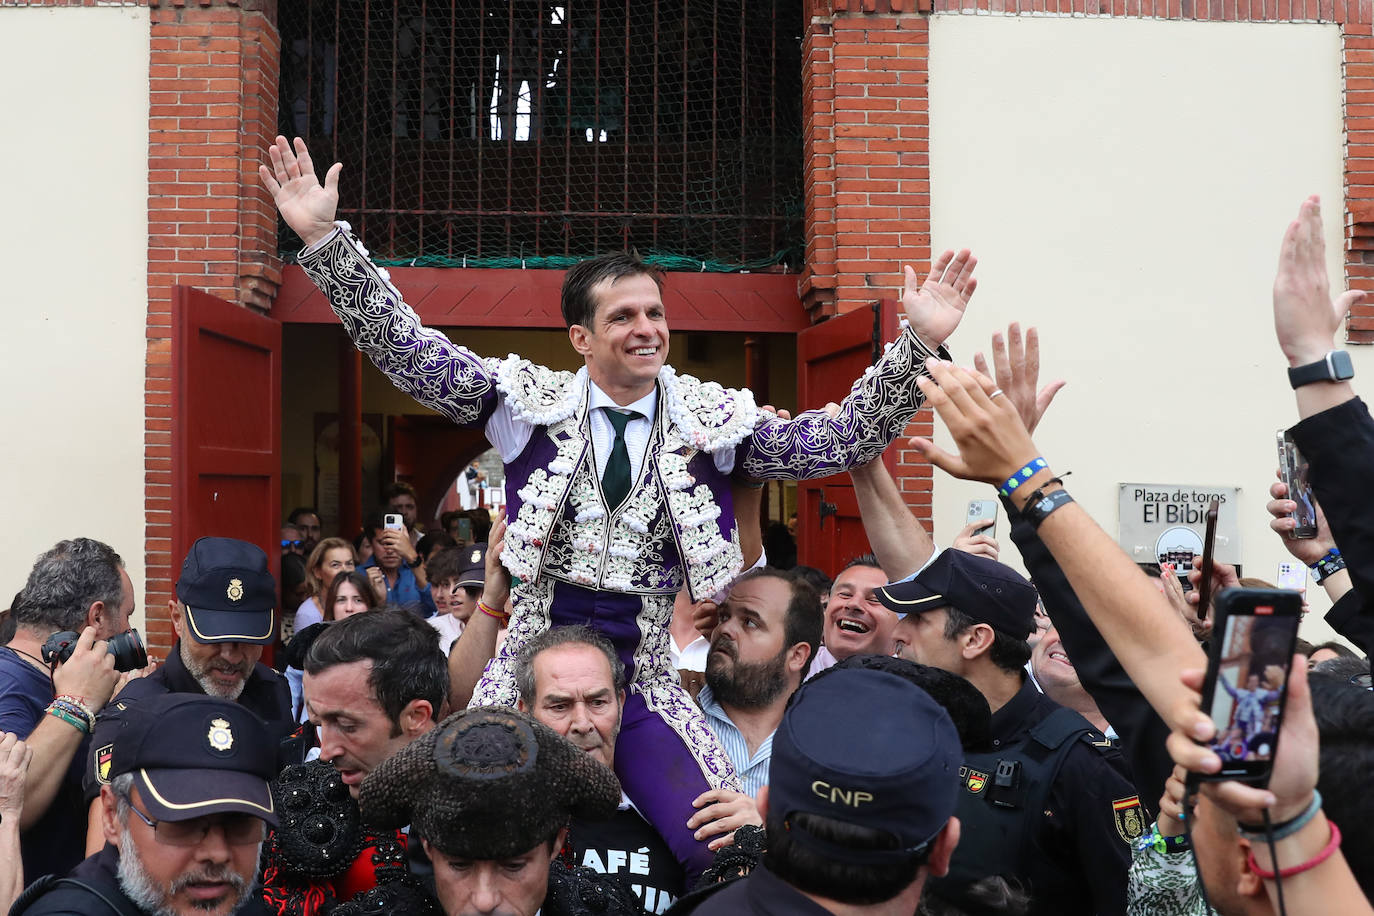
(70, 719)
(1021, 476)
(1285, 829)
(78, 702)
(76, 709)
(1330, 564)
(1327, 852)
(493, 612)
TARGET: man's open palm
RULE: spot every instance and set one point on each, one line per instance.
(935, 308)
(307, 206)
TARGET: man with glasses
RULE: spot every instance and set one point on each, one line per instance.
(184, 814)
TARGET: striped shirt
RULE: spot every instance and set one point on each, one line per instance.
(752, 770)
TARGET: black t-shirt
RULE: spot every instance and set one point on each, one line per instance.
(57, 840)
(627, 845)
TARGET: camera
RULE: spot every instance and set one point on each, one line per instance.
(127, 649)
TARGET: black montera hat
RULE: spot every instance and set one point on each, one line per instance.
(983, 589)
(488, 783)
(228, 592)
(192, 755)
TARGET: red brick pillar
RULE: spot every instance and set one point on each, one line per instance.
(213, 110)
(866, 150)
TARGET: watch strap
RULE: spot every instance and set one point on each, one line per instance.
(1037, 510)
(1335, 366)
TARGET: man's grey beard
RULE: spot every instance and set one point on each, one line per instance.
(208, 683)
(746, 686)
(139, 886)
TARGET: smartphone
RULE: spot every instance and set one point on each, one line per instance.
(394, 522)
(1293, 576)
(1209, 540)
(1247, 678)
(465, 530)
(983, 510)
(1294, 471)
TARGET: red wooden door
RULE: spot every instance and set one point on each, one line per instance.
(830, 356)
(226, 425)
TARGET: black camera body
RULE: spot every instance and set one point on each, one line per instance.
(127, 649)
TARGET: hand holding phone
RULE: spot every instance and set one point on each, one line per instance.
(393, 522)
(1246, 685)
(1294, 470)
(1209, 542)
(982, 510)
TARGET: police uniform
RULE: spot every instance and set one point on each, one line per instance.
(191, 756)
(1049, 804)
(229, 596)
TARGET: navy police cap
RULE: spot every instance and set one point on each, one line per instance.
(190, 755)
(985, 590)
(871, 749)
(229, 594)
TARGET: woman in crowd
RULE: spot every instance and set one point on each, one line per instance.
(330, 557)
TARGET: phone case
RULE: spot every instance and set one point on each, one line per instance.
(1294, 471)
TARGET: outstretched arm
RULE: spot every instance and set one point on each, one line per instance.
(882, 402)
(420, 361)
(899, 542)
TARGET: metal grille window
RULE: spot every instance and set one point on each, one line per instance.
(489, 133)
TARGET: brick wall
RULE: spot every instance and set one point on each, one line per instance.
(213, 93)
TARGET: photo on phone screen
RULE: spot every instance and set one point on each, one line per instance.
(983, 510)
(1293, 469)
(1247, 677)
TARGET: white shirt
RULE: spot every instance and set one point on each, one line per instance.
(509, 436)
(691, 657)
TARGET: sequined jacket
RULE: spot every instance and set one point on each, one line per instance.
(677, 525)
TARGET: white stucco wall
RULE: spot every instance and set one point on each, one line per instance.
(73, 251)
(1125, 184)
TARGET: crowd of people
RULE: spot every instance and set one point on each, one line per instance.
(612, 699)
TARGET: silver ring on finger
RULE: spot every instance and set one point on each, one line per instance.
(996, 393)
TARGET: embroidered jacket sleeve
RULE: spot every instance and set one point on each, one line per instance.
(877, 409)
(420, 361)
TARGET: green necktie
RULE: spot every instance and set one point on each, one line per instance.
(615, 481)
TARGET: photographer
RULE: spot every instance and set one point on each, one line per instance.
(80, 586)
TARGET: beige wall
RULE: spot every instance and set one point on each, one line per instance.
(1125, 185)
(74, 255)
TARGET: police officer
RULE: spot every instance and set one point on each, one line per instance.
(1048, 804)
(183, 816)
(859, 807)
(223, 614)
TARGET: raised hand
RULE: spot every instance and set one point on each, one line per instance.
(1305, 550)
(1306, 318)
(1017, 370)
(935, 308)
(992, 440)
(307, 206)
(971, 539)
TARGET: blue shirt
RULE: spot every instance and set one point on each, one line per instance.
(406, 593)
(752, 770)
(57, 842)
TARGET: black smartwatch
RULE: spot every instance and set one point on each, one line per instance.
(1333, 367)
(416, 563)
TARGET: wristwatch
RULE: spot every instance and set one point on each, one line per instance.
(1333, 367)
(415, 563)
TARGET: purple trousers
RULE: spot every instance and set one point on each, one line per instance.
(666, 754)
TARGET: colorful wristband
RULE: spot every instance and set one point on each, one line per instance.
(1021, 476)
(1164, 845)
(493, 612)
(1327, 852)
(1330, 564)
(73, 721)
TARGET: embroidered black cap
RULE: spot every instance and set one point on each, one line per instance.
(977, 587)
(229, 594)
(871, 749)
(474, 572)
(193, 755)
(488, 783)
